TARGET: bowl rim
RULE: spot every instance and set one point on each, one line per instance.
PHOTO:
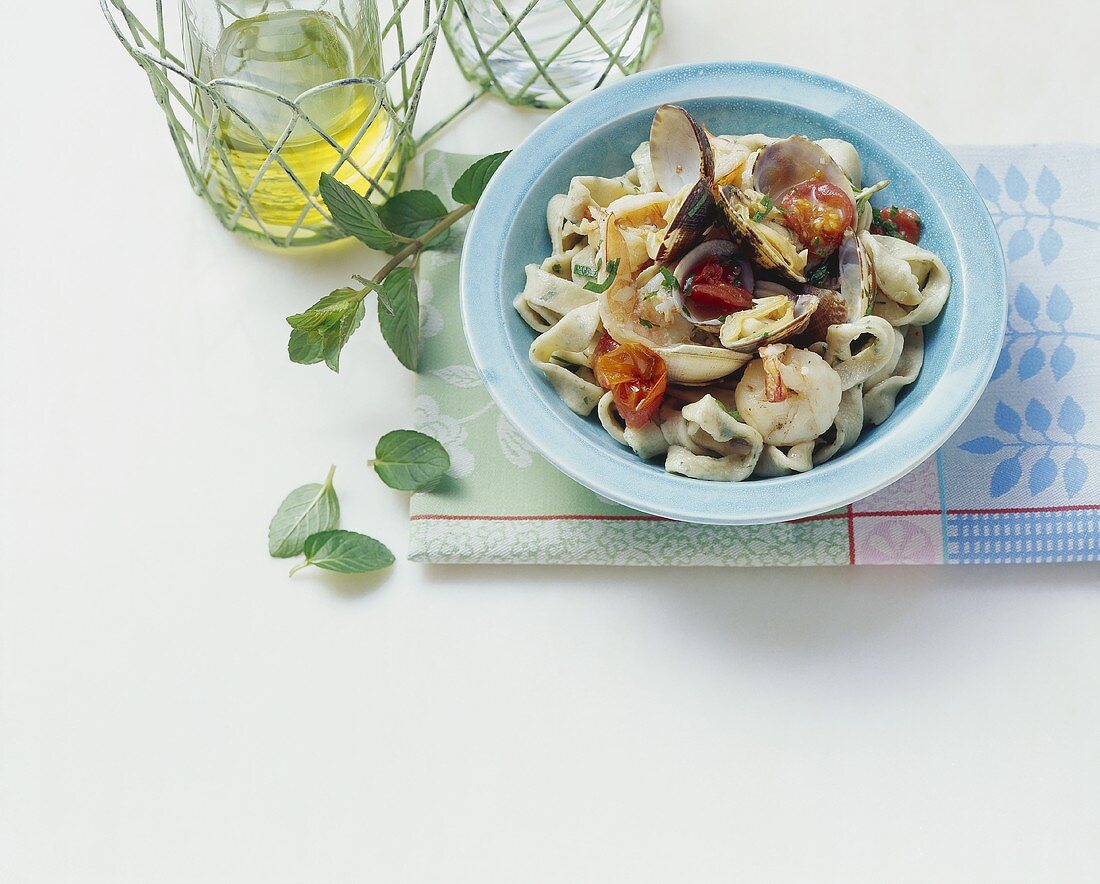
(623, 480)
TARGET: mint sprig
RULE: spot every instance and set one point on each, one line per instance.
(408, 223)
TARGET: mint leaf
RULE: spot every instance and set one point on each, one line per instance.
(471, 184)
(321, 332)
(344, 551)
(355, 214)
(411, 213)
(399, 316)
(668, 281)
(333, 342)
(305, 511)
(410, 461)
(306, 347)
(600, 287)
(329, 311)
(818, 275)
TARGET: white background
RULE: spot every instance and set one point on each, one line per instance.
(173, 708)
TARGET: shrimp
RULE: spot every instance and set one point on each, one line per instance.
(636, 305)
(788, 395)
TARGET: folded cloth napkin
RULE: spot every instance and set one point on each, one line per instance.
(1019, 482)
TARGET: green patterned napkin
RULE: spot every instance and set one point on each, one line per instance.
(501, 502)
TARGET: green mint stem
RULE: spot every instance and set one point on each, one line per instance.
(417, 244)
(414, 247)
(298, 568)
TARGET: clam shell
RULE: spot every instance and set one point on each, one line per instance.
(805, 306)
(683, 165)
(679, 149)
(831, 310)
(694, 216)
(694, 259)
(751, 236)
(626, 315)
(695, 364)
(702, 253)
(857, 276)
(784, 164)
(856, 294)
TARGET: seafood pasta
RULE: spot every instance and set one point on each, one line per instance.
(732, 304)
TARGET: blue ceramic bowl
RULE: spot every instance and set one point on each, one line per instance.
(595, 136)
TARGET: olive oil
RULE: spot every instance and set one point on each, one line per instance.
(289, 53)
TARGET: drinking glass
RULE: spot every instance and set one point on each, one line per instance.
(297, 92)
(548, 52)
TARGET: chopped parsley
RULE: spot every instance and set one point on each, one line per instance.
(818, 275)
(557, 267)
(599, 287)
(886, 223)
(765, 209)
(585, 271)
(645, 323)
(668, 281)
(900, 223)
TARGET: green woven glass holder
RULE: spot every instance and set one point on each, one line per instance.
(409, 35)
(506, 49)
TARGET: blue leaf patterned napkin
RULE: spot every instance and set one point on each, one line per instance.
(1019, 482)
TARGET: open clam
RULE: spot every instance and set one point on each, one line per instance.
(787, 163)
(772, 319)
(696, 258)
(857, 276)
(855, 293)
(679, 149)
(754, 226)
(751, 213)
(683, 166)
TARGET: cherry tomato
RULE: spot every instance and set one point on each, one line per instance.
(818, 213)
(636, 377)
(903, 223)
(715, 289)
(605, 346)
